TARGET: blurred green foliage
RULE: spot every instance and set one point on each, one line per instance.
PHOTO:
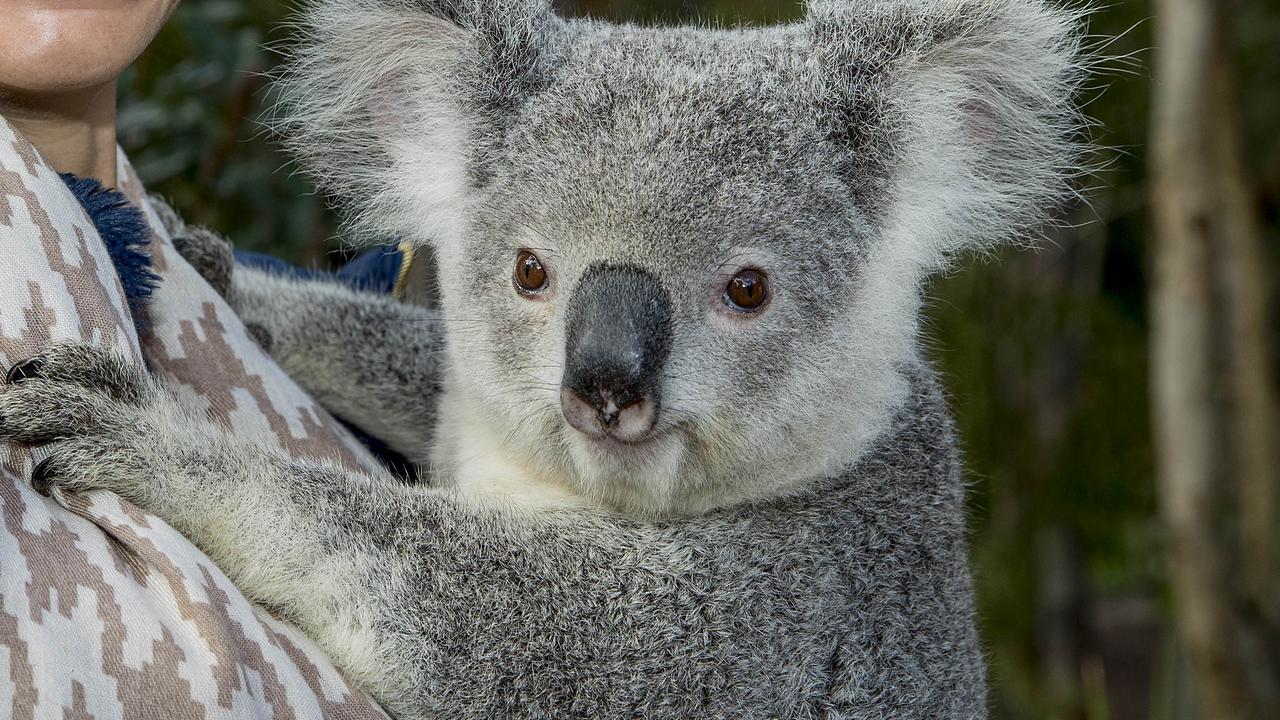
(1044, 354)
(191, 114)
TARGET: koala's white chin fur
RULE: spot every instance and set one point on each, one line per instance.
(488, 468)
(484, 467)
(684, 470)
(643, 478)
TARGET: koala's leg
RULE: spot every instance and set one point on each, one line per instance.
(367, 358)
(303, 538)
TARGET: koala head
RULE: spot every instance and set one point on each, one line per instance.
(681, 267)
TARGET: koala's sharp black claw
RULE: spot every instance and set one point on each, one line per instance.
(261, 335)
(25, 370)
(41, 475)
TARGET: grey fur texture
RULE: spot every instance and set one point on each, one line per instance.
(850, 599)
(373, 362)
(205, 250)
(790, 540)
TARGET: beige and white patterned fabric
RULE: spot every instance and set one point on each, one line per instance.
(105, 611)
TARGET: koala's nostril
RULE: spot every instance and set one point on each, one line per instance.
(599, 414)
(580, 413)
(635, 421)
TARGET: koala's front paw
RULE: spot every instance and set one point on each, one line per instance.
(90, 405)
(210, 254)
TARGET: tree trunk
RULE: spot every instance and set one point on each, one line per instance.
(1213, 399)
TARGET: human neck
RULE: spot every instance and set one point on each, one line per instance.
(75, 131)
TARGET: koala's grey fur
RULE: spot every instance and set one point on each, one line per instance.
(203, 248)
(850, 599)
(791, 543)
(372, 362)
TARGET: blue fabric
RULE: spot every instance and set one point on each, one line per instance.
(125, 232)
(374, 271)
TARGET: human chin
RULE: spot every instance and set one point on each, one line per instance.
(52, 46)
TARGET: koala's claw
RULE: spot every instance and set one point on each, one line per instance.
(84, 463)
(35, 412)
(89, 367)
(42, 476)
(69, 391)
(24, 370)
(90, 406)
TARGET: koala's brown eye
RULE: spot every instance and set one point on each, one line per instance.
(530, 275)
(748, 290)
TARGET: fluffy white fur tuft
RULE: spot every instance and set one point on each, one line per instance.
(981, 131)
(370, 104)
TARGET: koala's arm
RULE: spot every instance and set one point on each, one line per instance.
(286, 532)
(844, 602)
(369, 359)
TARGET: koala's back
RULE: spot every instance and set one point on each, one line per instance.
(850, 600)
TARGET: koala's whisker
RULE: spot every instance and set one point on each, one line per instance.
(536, 379)
(510, 435)
(696, 372)
(535, 383)
(549, 364)
(527, 368)
(472, 321)
(683, 417)
(533, 379)
(506, 393)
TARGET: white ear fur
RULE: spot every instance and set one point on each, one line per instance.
(976, 104)
(397, 105)
(370, 105)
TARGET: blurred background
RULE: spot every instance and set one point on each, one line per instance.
(1116, 579)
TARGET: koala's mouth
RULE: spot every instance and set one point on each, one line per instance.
(608, 446)
(613, 444)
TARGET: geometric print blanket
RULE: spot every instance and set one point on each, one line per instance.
(106, 611)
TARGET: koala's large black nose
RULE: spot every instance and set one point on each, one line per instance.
(618, 329)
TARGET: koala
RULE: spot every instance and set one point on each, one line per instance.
(686, 457)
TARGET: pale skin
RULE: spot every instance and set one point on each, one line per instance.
(59, 64)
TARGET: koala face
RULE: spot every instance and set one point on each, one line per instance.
(661, 305)
(682, 266)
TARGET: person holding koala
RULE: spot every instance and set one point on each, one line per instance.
(686, 458)
(106, 611)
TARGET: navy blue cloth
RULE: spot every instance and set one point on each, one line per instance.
(125, 232)
(374, 271)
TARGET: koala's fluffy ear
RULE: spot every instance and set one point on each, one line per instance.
(953, 120)
(396, 105)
